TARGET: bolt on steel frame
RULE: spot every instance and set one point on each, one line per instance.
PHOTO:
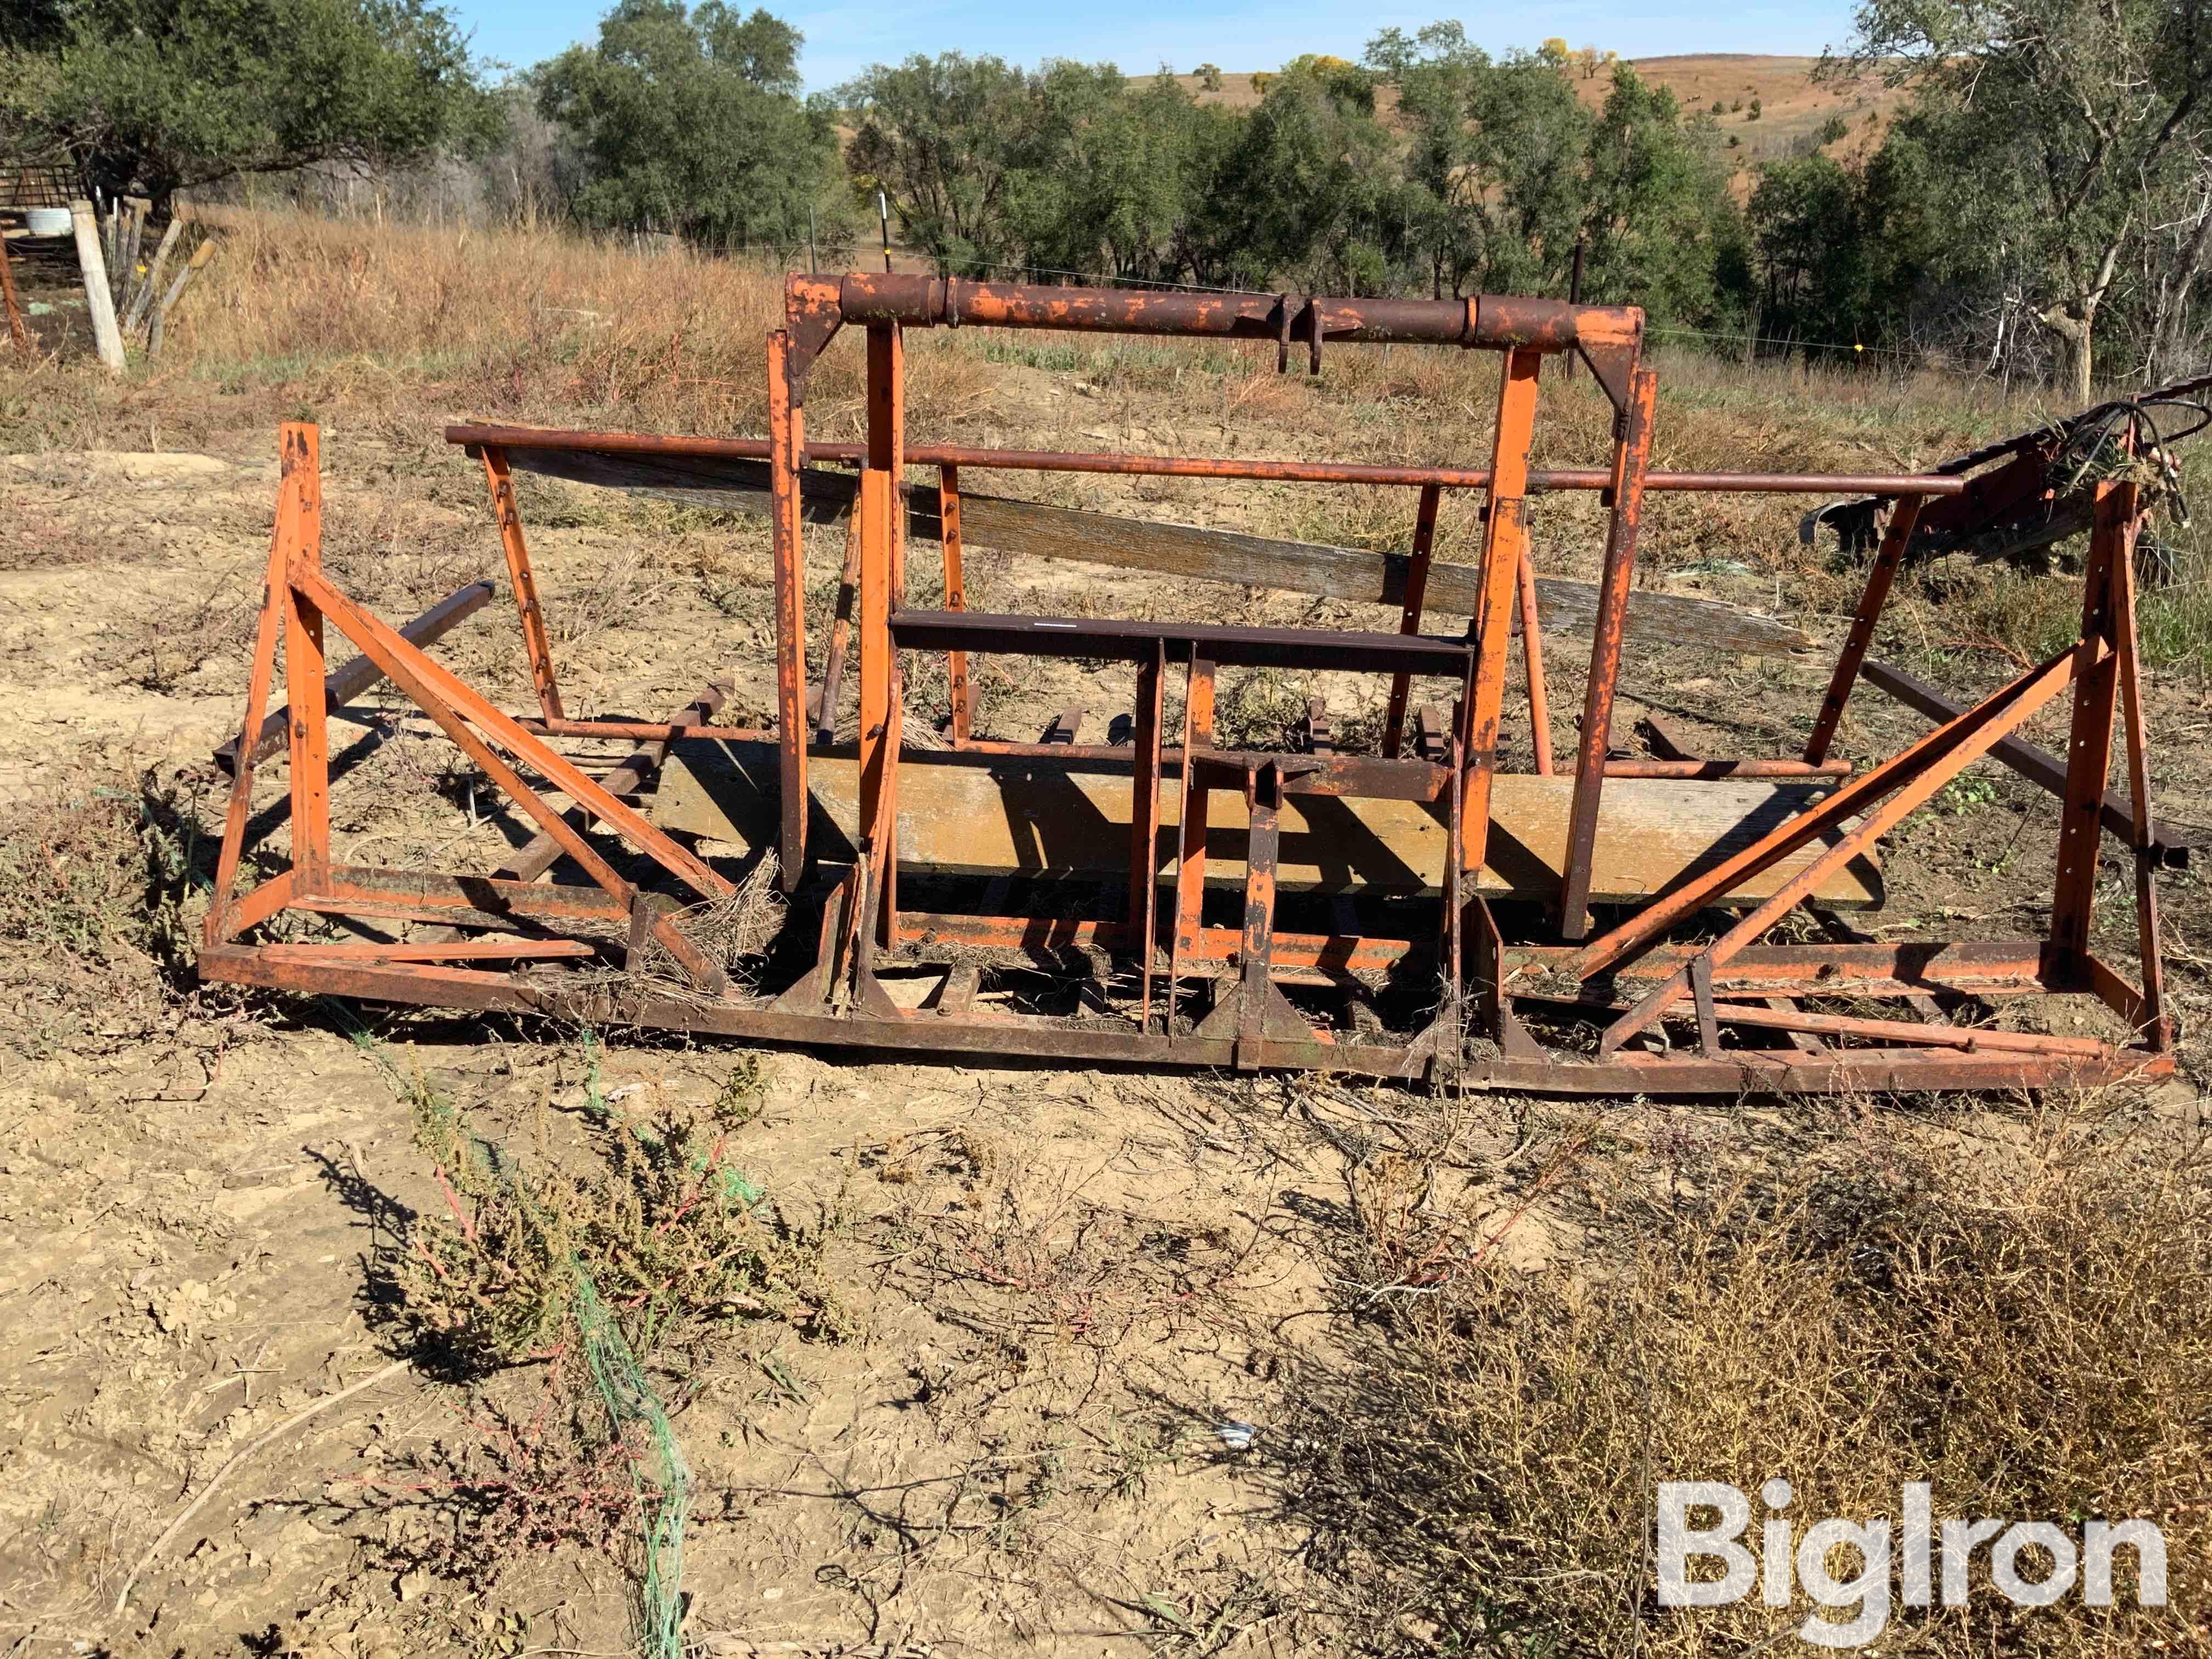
(1175, 987)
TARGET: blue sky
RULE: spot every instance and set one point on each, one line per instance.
(1139, 34)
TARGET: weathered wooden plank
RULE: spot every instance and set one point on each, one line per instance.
(991, 815)
(1172, 549)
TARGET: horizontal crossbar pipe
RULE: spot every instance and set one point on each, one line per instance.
(1971, 1039)
(1202, 466)
(1492, 322)
(484, 950)
(1133, 641)
(1983, 967)
(648, 730)
(1727, 769)
(354, 676)
(1047, 936)
(1171, 757)
(1366, 777)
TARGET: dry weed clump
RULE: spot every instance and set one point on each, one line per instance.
(671, 1236)
(101, 875)
(2024, 1323)
(568, 1290)
(736, 928)
(1038, 1260)
(164, 650)
(1257, 709)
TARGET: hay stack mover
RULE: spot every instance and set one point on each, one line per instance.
(1592, 926)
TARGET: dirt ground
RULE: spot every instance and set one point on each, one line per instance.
(1045, 1379)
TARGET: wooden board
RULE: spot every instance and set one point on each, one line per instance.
(1169, 550)
(991, 815)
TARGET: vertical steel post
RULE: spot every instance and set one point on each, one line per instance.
(1631, 457)
(1505, 543)
(787, 438)
(881, 567)
(1417, 589)
(1255, 956)
(1190, 826)
(2151, 1018)
(1190, 865)
(2096, 701)
(960, 691)
(1145, 824)
(1532, 658)
(535, 643)
(304, 669)
(274, 604)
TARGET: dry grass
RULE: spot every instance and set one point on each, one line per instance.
(101, 872)
(673, 1235)
(2020, 1319)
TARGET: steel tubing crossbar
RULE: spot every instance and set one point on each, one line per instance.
(1493, 322)
(1220, 467)
(1134, 641)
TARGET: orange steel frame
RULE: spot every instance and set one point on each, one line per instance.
(1177, 990)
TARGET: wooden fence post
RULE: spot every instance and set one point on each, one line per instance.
(99, 302)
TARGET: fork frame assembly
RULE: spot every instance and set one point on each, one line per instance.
(1665, 1002)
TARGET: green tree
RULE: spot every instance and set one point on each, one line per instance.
(1495, 160)
(1809, 233)
(1306, 192)
(1504, 169)
(155, 96)
(1663, 230)
(1106, 185)
(946, 139)
(2069, 141)
(690, 121)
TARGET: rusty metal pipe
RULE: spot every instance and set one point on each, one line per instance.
(1496, 322)
(1727, 769)
(650, 730)
(356, 674)
(541, 853)
(1206, 466)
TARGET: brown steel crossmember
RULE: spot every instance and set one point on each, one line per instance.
(1418, 912)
